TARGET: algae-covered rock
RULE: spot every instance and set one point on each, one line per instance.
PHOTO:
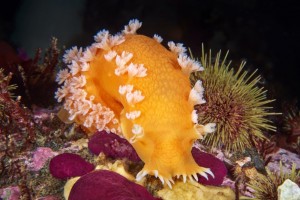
(195, 191)
(288, 191)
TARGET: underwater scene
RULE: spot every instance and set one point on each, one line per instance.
(149, 100)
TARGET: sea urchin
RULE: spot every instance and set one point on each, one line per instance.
(233, 102)
(265, 187)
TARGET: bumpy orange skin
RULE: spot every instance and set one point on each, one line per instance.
(165, 111)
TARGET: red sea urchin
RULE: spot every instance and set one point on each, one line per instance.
(233, 102)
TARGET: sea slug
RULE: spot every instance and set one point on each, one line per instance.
(131, 85)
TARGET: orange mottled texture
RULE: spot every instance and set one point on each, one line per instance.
(165, 117)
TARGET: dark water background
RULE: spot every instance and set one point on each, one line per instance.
(265, 33)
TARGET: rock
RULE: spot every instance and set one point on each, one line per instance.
(196, 191)
(288, 191)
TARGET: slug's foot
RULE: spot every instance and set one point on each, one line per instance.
(169, 180)
(202, 171)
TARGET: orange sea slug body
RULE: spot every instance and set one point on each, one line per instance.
(131, 85)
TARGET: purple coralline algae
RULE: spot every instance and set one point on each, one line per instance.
(69, 165)
(40, 157)
(210, 161)
(104, 184)
(112, 146)
(10, 193)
